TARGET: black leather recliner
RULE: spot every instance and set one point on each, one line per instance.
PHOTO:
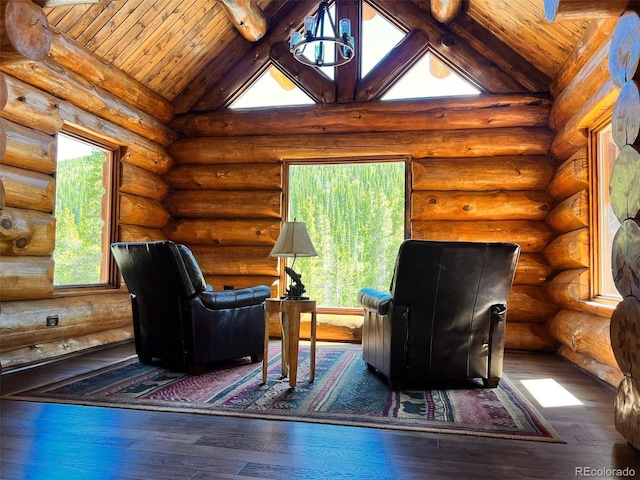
(444, 318)
(178, 318)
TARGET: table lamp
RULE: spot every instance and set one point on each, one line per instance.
(294, 241)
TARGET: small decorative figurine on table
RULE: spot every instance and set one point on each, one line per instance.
(296, 289)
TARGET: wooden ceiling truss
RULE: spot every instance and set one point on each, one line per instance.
(488, 63)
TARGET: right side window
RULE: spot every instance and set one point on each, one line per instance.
(606, 224)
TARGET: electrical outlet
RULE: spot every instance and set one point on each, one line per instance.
(52, 320)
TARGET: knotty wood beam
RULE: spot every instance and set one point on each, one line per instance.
(588, 80)
(58, 81)
(445, 11)
(421, 144)
(398, 61)
(481, 111)
(596, 34)
(247, 17)
(347, 76)
(308, 79)
(24, 32)
(582, 9)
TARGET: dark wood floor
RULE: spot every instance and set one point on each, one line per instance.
(49, 441)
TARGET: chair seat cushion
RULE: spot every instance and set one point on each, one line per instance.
(241, 297)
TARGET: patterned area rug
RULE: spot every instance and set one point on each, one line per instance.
(343, 393)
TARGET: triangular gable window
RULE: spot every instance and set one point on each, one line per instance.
(429, 77)
(379, 36)
(272, 89)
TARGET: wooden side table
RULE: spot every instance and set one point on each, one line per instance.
(289, 311)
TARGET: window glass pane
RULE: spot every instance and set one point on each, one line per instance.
(82, 199)
(272, 89)
(428, 78)
(379, 37)
(608, 224)
(355, 217)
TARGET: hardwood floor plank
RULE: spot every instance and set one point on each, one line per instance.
(54, 441)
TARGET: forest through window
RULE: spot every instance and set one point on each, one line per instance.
(355, 214)
(83, 180)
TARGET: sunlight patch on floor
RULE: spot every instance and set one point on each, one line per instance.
(550, 393)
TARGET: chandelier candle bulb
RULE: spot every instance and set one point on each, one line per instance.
(309, 25)
(296, 37)
(345, 27)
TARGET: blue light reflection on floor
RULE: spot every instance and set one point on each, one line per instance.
(74, 446)
(329, 441)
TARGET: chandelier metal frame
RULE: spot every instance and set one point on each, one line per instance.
(315, 35)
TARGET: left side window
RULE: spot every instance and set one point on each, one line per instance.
(85, 212)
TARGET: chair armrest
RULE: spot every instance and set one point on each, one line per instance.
(374, 300)
(240, 297)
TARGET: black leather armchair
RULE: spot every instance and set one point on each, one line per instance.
(181, 320)
(444, 318)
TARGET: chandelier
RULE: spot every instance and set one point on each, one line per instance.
(317, 37)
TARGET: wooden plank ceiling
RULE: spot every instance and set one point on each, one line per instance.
(189, 52)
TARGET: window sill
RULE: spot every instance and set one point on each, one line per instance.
(600, 306)
(61, 292)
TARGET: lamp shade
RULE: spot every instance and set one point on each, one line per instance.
(293, 241)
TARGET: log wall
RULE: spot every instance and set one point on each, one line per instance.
(37, 100)
(479, 172)
(584, 95)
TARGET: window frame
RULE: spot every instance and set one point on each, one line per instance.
(599, 193)
(343, 161)
(111, 181)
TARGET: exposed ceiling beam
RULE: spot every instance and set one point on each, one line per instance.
(483, 110)
(247, 17)
(309, 79)
(347, 76)
(391, 68)
(216, 91)
(445, 11)
(583, 9)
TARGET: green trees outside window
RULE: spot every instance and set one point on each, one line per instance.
(355, 216)
(80, 215)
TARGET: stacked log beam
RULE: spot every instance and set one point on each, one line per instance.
(33, 109)
(624, 190)
(479, 172)
(68, 85)
(229, 215)
(584, 92)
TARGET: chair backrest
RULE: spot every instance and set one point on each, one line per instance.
(158, 280)
(449, 288)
